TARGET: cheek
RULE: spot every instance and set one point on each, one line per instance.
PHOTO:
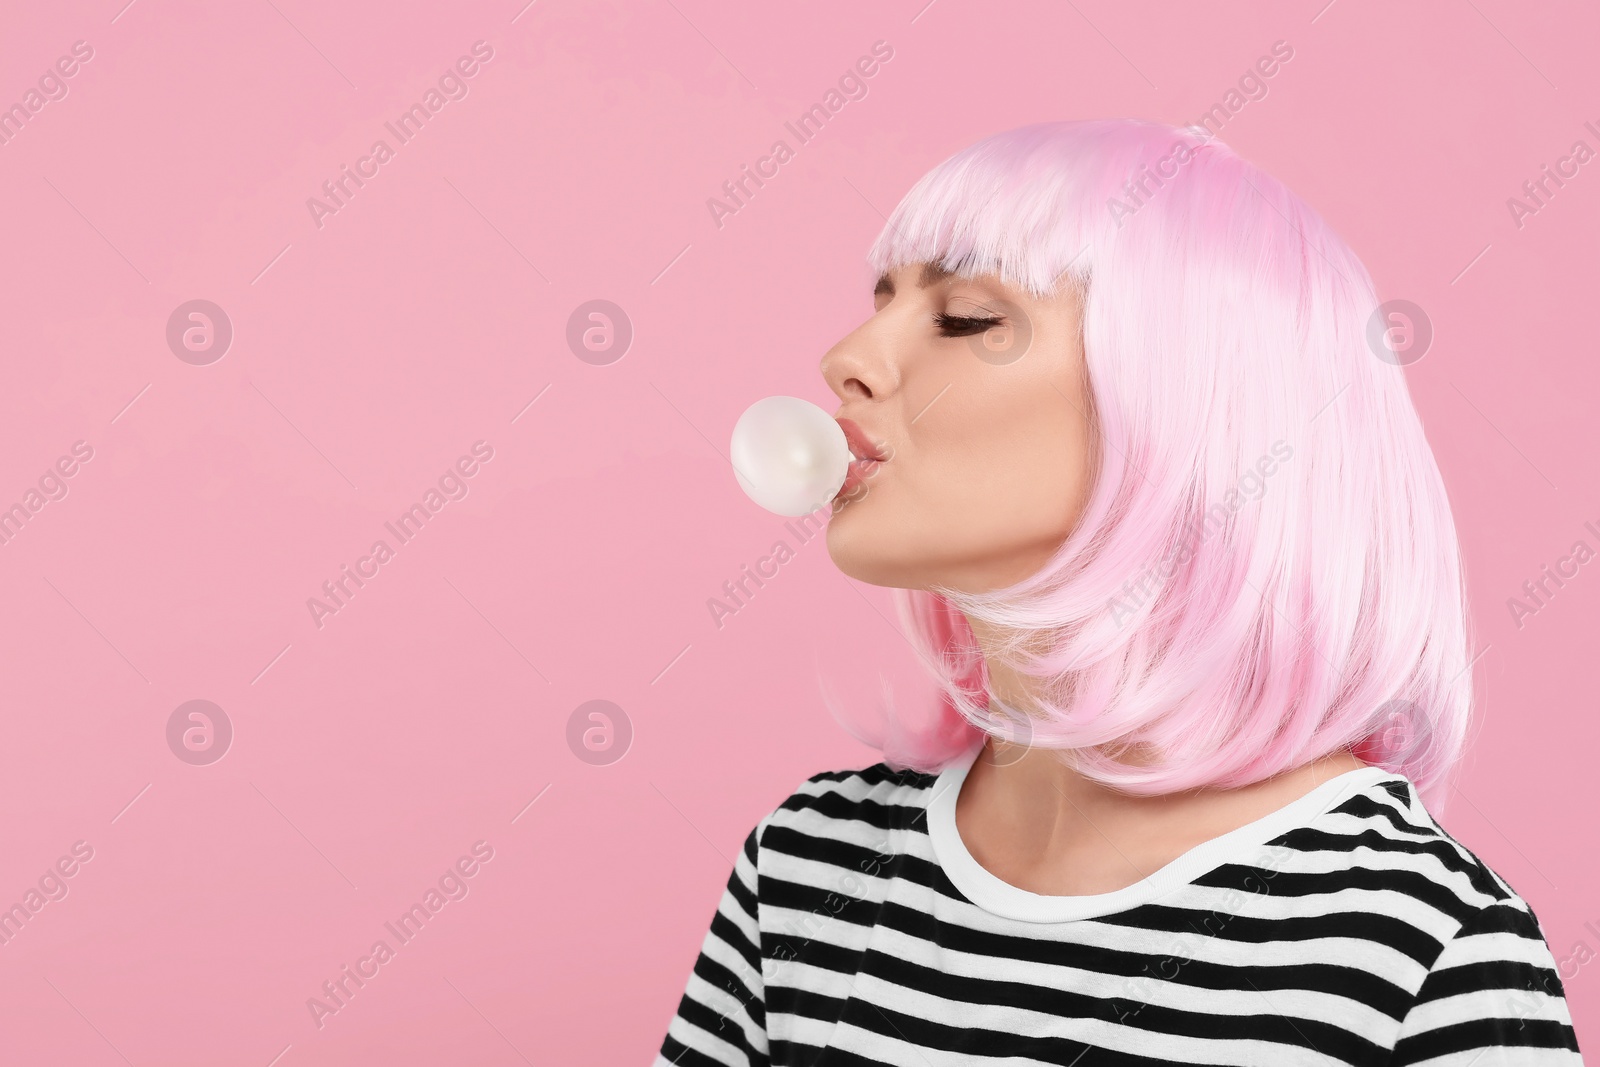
(1025, 492)
(986, 482)
(1012, 461)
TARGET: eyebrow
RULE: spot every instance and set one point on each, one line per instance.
(931, 273)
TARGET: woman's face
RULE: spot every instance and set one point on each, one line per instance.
(975, 395)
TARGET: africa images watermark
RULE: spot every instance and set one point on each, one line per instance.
(1540, 591)
(808, 925)
(1538, 190)
(738, 591)
(51, 86)
(1252, 485)
(1544, 989)
(852, 85)
(1143, 185)
(452, 485)
(452, 85)
(52, 886)
(52, 485)
(452, 885)
(1183, 948)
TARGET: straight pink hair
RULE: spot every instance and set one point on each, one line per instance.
(1266, 569)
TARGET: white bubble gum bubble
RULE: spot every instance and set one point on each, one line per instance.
(789, 455)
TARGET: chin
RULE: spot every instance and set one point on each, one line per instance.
(861, 550)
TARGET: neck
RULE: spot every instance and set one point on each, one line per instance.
(1037, 821)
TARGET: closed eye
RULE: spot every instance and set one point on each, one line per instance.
(965, 325)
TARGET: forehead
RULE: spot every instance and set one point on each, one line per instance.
(930, 274)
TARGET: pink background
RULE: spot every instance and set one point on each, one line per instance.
(368, 354)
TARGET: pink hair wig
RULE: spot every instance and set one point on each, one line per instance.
(1214, 618)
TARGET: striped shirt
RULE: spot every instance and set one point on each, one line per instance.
(1345, 928)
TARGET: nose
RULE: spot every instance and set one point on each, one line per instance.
(862, 366)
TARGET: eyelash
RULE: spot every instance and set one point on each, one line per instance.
(964, 325)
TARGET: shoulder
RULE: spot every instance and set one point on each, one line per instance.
(849, 805)
(1391, 843)
(1486, 977)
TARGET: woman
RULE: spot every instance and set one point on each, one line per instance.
(1137, 455)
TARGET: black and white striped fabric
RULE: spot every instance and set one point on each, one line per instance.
(1345, 928)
